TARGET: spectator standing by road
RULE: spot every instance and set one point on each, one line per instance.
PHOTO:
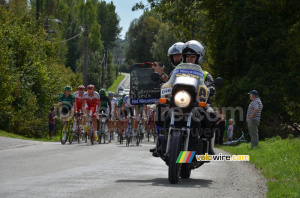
(52, 118)
(253, 117)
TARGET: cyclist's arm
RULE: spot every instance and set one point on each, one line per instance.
(83, 105)
(109, 106)
(115, 110)
(75, 106)
(123, 107)
(59, 106)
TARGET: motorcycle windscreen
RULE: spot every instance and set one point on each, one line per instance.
(186, 74)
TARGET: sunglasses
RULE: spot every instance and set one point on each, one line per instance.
(191, 56)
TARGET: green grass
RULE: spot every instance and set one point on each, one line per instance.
(114, 86)
(279, 162)
(56, 138)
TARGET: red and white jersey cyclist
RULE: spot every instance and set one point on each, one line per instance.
(79, 98)
(92, 100)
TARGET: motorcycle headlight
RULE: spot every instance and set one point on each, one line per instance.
(182, 99)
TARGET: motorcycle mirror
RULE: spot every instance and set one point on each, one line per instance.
(155, 77)
(219, 82)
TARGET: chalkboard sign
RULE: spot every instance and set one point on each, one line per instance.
(142, 89)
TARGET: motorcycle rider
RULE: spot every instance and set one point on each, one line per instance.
(194, 52)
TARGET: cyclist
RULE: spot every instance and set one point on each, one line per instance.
(128, 109)
(79, 101)
(105, 104)
(120, 122)
(113, 102)
(92, 101)
(150, 119)
(66, 102)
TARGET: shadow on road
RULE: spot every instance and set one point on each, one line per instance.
(187, 183)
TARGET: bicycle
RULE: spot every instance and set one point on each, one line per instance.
(103, 126)
(139, 132)
(65, 132)
(77, 133)
(91, 129)
(128, 132)
(234, 142)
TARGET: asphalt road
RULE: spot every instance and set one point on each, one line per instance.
(40, 169)
(125, 82)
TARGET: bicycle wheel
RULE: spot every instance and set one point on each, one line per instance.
(154, 136)
(121, 138)
(148, 134)
(138, 139)
(71, 133)
(85, 137)
(78, 132)
(110, 136)
(92, 134)
(64, 133)
(127, 140)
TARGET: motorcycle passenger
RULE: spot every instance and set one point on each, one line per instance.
(175, 55)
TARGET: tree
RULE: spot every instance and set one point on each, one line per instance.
(164, 39)
(30, 75)
(140, 37)
(252, 45)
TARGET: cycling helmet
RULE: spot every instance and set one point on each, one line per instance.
(90, 88)
(81, 88)
(194, 47)
(67, 88)
(102, 92)
(111, 93)
(176, 48)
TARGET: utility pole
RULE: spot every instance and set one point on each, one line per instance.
(85, 64)
(37, 5)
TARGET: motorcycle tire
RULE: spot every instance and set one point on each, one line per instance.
(174, 168)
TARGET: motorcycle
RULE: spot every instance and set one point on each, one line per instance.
(186, 96)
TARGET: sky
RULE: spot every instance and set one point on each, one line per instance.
(123, 8)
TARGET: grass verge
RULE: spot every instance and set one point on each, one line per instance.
(56, 138)
(114, 86)
(279, 162)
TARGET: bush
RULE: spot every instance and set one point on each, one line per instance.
(30, 77)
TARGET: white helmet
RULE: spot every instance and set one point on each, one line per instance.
(176, 48)
(194, 47)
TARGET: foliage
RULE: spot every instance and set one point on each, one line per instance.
(252, 45)
(140, 37)
(163, 40)
(30, 76)
(114, 86)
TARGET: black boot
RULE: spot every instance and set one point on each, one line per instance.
(210, 149)
(154, 152)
